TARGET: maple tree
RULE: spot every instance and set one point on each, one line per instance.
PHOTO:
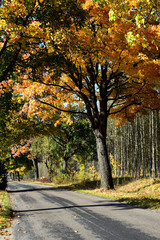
(20, 34)
(107, 66)
(15, 35)
(20, 30)
(22, 157)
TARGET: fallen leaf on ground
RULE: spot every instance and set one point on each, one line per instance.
(7, 234)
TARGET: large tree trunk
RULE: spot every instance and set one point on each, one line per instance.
(36, 170)
(65, 161)
(18, 176)
(98, 115)
(65, 164)
(103, 160)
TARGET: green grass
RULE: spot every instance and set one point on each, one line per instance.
(5, 210)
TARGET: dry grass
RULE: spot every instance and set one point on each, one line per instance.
(5, 210)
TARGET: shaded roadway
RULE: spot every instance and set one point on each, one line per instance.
(46, 213)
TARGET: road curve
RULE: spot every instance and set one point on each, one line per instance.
(46, 213)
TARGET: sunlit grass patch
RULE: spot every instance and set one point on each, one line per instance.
(5, 210)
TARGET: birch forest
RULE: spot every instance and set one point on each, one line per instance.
(134, 146)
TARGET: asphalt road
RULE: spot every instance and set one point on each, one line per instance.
(45, 213)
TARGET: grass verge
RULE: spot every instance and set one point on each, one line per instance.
(5, 210)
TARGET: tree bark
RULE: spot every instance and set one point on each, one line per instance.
(98, 115)
(18, 176)
(103, 160)
(142, 137)
(153, 114)
(150, 145)
(136, 149)
(156, 144)
(65, 163)
(115, 148)
(36, 169)
(121, 155)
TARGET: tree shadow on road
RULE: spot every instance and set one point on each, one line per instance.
(34, 189)
(112, 203)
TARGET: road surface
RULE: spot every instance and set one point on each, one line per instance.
(46, 213)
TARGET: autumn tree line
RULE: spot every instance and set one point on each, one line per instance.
(68, 65)
(133, 149)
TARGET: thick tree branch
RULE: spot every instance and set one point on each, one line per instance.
(59, 109)
(4, 46)
(125, 107)
(10, 66)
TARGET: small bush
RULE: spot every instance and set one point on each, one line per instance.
(3, 176)
(45, 180)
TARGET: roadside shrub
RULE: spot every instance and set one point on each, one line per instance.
(82, 174)
(45, 180)
(3, 176)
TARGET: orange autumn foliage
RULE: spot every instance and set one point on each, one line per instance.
(129, 53)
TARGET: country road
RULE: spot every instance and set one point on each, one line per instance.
(46, 213)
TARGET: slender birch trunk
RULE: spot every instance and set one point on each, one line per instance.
(153, 145)
(136, 148)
